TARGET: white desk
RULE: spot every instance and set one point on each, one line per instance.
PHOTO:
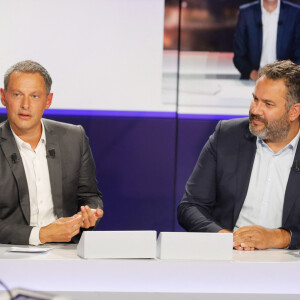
(267, 274)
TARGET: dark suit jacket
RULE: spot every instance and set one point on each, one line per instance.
(218, 186)
(248, 37)
(72, 177)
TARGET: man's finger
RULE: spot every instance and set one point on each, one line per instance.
(74, 218)
(75, 231)
(88, 217)
(91, 216)
(99, 213)
(243, 237)
(247, 245)
(85, 220)
(244, 229)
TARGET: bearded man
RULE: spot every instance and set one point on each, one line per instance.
(247, 177)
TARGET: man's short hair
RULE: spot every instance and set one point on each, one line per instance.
(290, 73)
(29, 66)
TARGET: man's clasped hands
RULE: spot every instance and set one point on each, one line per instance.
(63, 229)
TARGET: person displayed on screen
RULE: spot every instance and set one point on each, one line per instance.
(247, 177)
(266, 31)
(48, 186)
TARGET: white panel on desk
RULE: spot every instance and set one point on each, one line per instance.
(195, 246)
(117, 244)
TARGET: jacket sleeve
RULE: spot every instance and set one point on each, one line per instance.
(295, 236)
(296, 40)
(11, 233)
(241, 47)
(88, 193)
(14, 228)
(194, 212)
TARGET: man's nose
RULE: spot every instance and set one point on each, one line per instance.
(25, 104)
(257, 108)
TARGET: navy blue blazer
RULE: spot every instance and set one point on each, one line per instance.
(247, 46)
(217, 188)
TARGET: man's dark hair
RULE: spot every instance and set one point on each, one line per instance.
(290, 73)
(29, 66)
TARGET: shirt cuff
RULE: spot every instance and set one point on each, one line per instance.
(34, 238)
(290, 240)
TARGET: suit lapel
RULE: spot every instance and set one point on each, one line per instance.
(54, 165)
(246, 155)
(258, 23)
(292, 191)
(13, 157)
(280, 30)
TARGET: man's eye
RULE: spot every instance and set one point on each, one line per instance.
(16, 94)
(35, 96)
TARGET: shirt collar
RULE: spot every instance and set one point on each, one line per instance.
(21, 143)
(292, 144)
(264, 11)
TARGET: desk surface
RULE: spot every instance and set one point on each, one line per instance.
(265, 272)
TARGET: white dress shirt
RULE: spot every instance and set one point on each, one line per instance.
(264, 201)
(39, 187)
(270, 25)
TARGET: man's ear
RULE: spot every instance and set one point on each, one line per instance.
(3, 97)
(294, 112)
(49, 100)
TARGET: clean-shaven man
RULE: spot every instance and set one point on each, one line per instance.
(48, 187)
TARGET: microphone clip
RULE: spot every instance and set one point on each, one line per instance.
(296, 166)
(51, 153)
(14, 158)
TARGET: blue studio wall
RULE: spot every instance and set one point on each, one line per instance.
(135, 159)
(192, 136)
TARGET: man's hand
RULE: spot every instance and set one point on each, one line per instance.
(89, 216)
(254, 75)
(257, 237)
(224, 231)
(61, 230)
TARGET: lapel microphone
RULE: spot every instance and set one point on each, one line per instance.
(51, 153)
(14, 158)
(295, 166)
